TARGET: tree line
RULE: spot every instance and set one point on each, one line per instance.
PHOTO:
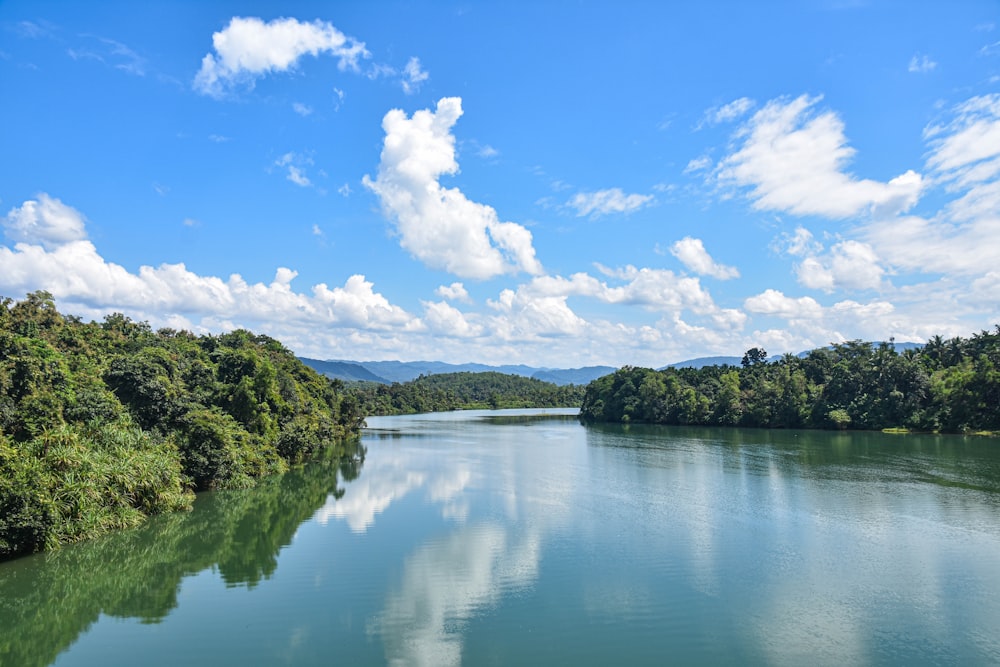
(946, 386)
(462, 391)
(103, 424)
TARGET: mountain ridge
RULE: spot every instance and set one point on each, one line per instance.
(388, 372)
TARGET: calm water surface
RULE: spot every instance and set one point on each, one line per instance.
(505, 538)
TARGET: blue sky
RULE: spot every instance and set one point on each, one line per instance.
(552, 183)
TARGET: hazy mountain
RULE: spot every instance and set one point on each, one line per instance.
(736, 361)
(387, 372)
(404, 371)
(343, 370)
(705, 361)
(573, 375)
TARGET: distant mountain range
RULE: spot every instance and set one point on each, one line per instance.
(387, 372)
(705, 361)
(736, 361)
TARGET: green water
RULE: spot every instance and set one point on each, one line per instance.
(495, 538)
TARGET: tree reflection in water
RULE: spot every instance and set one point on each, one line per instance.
(48, 600)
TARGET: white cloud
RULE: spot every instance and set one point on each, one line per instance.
(413, 76)
(966, 150)
(55, 256)
(357, 304)
(726, 113)
(528, 316)
(961, 239)
(984, 290)
(807, 324)
(487, 152)
(938, 246)
(453, 292)
(45, 220)
(793, 159)
(798, 244)
(295, 175)
(655, 290)
(691, 252)
(848, 265)
(302, 109)
(774, 302)
(352, 320)
(698, 164)
(604, 202)
(249, 48)
(294, 165)
(921, 64)
(445, 319)
(438, 225)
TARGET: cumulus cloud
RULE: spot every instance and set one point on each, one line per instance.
(453, 292)
(46, 221)
(524, 315)
(249, 48)
(445, 319)
(691, 252)
(354, 319)
(807, 324)
(655, 290)
(793, 158)
(440, 226)
(774, 302)
(605, 202)
(54, 254)
(849, 265)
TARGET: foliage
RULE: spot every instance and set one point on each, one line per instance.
(951, 386)
(462, 391)
(103, 424)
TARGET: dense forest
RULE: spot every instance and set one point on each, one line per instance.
(946, 385)
(462, 391)
(103, 424)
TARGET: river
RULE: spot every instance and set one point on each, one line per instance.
(523, 538)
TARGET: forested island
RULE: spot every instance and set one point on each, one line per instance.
(948, 386)
(103, 424)
(463, 391)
